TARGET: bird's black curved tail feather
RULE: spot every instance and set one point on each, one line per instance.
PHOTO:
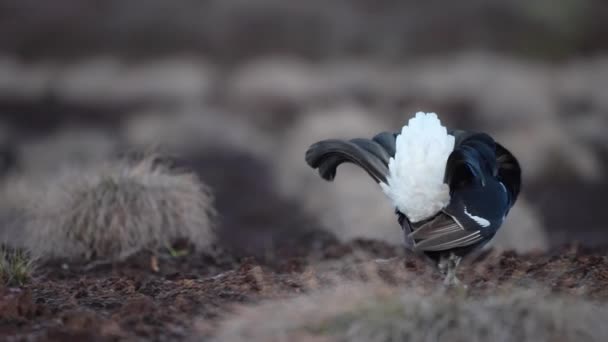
(371, 155)
(509, 172)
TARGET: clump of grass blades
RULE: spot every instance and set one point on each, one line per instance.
(111, 212)
(16, 266)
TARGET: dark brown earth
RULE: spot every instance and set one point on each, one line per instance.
(130, 301)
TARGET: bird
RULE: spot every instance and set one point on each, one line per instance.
(451, 189)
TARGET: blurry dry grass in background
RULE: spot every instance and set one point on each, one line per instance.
(71, 147)
(109, 212)
(192, 129)
(274, 108)
(355, 312)
(233, 30)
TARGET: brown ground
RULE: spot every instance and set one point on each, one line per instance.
(130, 301)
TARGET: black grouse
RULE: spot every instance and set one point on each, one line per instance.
(452, 189)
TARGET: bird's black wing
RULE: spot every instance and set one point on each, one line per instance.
(471, 147)
(372, 155)
(473, 159)
(443, 233)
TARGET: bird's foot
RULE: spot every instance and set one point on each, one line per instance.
(453, 281)
(448, 267)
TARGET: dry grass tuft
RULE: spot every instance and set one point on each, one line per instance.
(113, 211)
(375, 314)
(16, 266)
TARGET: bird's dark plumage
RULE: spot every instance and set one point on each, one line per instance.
(484, 181)
(371, 155)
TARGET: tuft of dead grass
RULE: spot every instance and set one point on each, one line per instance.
(379, 314)
(16, 266)
(115, 210)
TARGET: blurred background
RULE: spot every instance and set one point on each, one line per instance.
(240, 88)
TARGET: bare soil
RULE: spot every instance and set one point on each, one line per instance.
(131, 301)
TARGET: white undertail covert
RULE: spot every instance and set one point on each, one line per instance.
(415, 180)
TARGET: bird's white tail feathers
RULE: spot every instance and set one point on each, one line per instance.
(415, 180)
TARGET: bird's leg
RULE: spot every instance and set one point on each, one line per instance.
(443, 265)
(448, 264)
(453, 263)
